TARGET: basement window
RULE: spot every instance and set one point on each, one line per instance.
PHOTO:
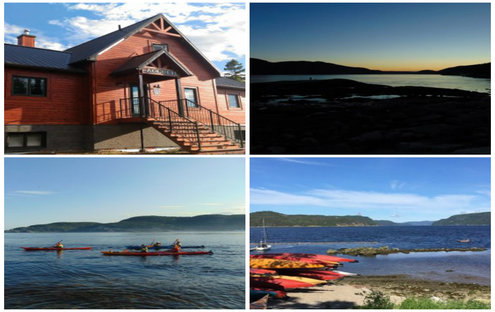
(28, 86)
(21, 140)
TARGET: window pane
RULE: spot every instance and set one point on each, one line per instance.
(34, 139)
(233, 101)
(37, 86)
(20, 86)
(15, 140)
(191, 98)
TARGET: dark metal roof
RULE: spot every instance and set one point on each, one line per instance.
(229, 83)
(142, 60)
(16, 55)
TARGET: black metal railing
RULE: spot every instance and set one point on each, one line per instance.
(168, 119)
(216, 122)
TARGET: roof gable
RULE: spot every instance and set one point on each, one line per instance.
(140, 61)
(90, 49)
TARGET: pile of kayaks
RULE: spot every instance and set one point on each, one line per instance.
(274, 274)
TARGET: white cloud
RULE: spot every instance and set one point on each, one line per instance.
(42, 41)
(485, 192)
(222, 29)
(41, 193)
(366, 200)
(301, 161)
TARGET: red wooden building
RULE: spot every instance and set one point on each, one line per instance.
(142, 86)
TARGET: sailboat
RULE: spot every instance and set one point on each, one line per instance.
(263, 245)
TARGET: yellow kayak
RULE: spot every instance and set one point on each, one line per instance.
(294, 278)
(282, 264)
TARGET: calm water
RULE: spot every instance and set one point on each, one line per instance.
(87, 279)
(435, 81)
(468, 267)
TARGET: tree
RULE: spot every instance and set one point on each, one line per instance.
(235, 69)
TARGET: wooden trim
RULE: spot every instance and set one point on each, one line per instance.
(162, 33)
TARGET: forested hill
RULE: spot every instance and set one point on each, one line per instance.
(214, 222)
(481, 218)
(279, 219)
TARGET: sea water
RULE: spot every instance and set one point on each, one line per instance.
(394, 80)
(464, 267)
(89, 280)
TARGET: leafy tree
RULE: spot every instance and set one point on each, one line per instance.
(235, 69)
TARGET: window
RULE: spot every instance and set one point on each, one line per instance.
(28, 86)
(233, 100)
(26, 139)
(160, 46)
(191, 97)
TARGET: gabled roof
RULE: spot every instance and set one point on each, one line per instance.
(23, 56)
(90, 49)
(229, 83)
(140, 61)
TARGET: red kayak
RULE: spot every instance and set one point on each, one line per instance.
(290, 257)
(156, 253)
(277, 283)
(330, 273)
(262, 271)
(54, 248)
(323, 277)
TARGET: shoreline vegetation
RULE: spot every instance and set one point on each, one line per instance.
(275, 219)
(385, 250)
(387, 292)
(262, 67)
(340, 116)
(213, 222)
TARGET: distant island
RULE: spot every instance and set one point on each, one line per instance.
(213, 222)
(262, 67)
(279, 219)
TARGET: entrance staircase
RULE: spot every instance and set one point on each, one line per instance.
(196, 129)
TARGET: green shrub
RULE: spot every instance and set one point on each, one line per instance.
(426, 303)
(377, 300)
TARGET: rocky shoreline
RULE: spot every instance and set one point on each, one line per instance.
(385, 250)
(335, 117)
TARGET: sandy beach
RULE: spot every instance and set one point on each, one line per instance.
(351, 292)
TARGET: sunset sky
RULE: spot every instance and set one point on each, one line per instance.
(385, 36)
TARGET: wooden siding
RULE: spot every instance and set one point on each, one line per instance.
(66, 101)
(235, 114)
(110, 89)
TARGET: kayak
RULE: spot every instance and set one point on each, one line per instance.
(156, 253)
(329, 273)
(300, 256)
(277, 283)
(346, 273)
(54, 248)
(295, 258)
(323, 277)
(294, 278)
(282, 264)
(255, 294)
(164, 247)
(262, 271)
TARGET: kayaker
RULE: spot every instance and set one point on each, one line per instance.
(144, 248)
(177, 245)
(157, 244)
(59, 245)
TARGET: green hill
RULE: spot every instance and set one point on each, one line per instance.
(279, 219)
(214, 222)
(481, 218)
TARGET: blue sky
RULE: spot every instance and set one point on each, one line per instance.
(397, 189)
(388, 36)
(217, 29)
(45, 190)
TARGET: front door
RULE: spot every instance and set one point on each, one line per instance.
(136, 105)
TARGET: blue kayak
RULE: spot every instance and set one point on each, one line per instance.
(164, 247)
